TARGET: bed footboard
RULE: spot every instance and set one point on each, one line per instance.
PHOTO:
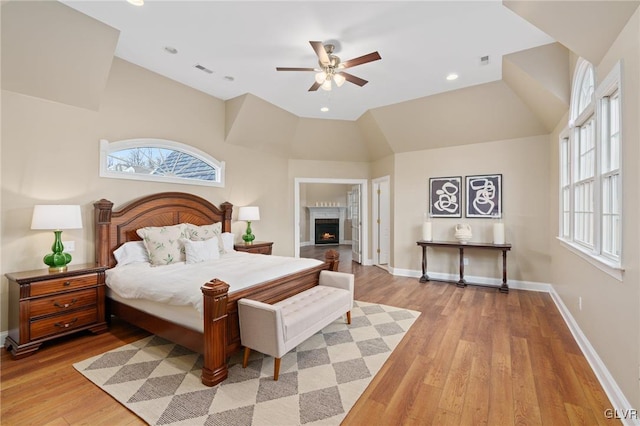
(215, 294)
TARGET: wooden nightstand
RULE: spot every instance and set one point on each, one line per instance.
(44, 305)
(258, 247)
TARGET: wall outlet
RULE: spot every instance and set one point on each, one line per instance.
(69, 246)
(465, 261)
(580, 302)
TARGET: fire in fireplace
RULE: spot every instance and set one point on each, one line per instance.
(327, 231)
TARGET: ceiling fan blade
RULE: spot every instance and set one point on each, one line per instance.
(353, 79)
(314, 87)
(294, 69)
(374, 56)
(322, 54)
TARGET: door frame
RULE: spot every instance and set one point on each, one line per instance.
(364, 212)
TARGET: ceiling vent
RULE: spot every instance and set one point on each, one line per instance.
(203, 68)
(484, 60)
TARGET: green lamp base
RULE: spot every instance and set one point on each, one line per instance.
(58, 260)
(248, 236)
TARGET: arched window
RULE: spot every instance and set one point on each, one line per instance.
(590, 174)
(159, 160)
(584, 88)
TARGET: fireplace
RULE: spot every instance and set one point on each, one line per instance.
(327, 231)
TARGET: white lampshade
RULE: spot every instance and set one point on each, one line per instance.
(339, 79)
(249, 213)
(326, 85)
(321, 77)
(56, 217)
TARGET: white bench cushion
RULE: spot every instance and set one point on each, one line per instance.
(302, 313)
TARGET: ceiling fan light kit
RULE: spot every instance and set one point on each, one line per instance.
(331, 67)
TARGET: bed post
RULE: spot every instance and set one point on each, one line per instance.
(332, 257)
(215, 369)
(102, 218)
(227, 208)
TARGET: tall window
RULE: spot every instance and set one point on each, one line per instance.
(590, 173)
(611, 176)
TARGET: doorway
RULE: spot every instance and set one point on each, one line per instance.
(361, 184)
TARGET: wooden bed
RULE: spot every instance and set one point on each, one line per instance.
(221, 336)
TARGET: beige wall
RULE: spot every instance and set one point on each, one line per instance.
(610, 316)
(524, 166)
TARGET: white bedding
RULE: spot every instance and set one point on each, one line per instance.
(179, 284)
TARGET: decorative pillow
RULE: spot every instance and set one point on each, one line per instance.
(131, 252)
(205, 232)
(227, 241)
(199, 251)
(163, 243)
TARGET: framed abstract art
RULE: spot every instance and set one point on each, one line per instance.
(484, 196)
(445, 198)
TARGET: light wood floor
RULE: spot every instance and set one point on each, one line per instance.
(473, 357)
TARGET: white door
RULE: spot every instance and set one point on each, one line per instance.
(354, 207)
(382, 222)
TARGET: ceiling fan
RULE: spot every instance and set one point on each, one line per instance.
(331, 67)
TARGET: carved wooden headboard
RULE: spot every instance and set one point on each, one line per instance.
(116, 227)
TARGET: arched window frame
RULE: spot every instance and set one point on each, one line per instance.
(107, 148)
(590, 200)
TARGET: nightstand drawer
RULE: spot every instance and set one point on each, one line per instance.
(62, 284)
(63, 302)
(261, 250)
(62, 323)
(258, 247)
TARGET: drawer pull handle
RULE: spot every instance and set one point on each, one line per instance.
(67, 283)
(66, 305)
(67, 325)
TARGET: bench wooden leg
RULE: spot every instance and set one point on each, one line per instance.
(276, 368)
(245, 358)
(348, 317)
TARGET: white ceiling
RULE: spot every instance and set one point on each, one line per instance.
(420, 43)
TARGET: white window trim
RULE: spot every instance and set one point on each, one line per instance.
(604, 263)
(107, 147)
(613, 269)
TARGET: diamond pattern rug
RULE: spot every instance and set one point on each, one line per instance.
(319, 381)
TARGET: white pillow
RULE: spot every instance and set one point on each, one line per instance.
(200, 251)
(164, 243)
(205, 232)
(131, 252)
(227, 241)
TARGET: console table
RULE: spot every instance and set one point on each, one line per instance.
(504, 288)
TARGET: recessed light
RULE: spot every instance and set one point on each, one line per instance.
(171, 50)
(136, 2)
(452, 76)
(324, 109)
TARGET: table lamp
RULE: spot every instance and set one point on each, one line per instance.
(249, 213)
(57, 218)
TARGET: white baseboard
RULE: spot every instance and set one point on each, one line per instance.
(622, 409)
(491, 282)
(3, 336)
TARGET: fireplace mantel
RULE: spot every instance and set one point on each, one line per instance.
(333, 212)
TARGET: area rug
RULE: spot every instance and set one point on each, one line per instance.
(319, 381)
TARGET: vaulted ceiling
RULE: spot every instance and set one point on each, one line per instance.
(528, 97)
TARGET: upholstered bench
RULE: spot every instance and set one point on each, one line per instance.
(276, 329)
